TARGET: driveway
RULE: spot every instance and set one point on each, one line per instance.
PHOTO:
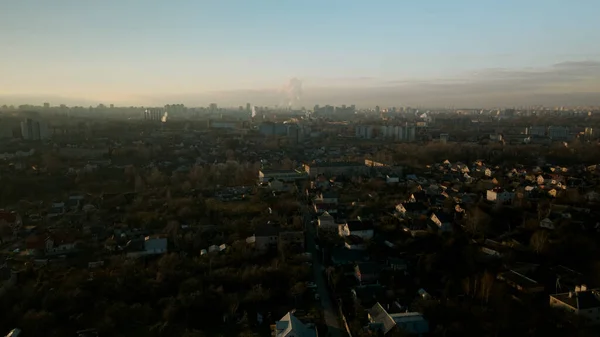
(330, 312)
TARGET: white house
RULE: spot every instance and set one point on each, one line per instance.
(290, 326)
(581, 302)
(362, 229)
(499, 195)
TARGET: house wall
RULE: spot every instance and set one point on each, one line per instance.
(326, 223)
(592, 314)
(364, 234)
(414, 327)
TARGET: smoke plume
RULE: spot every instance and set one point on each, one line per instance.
(293, 92)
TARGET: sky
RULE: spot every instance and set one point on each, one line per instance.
(384, 52)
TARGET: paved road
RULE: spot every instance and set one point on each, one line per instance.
(330, 312)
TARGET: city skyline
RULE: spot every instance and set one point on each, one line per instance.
(471, 53)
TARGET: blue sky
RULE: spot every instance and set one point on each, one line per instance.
(134, 50)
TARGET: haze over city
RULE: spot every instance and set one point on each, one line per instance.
(435, 53)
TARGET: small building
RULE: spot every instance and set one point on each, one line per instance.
(581, 302)
(367, 272)
(410, 322)
(290, 326)
(499, 195)
(265, 175)
(155, 245)
(362, 229)
(326, 222)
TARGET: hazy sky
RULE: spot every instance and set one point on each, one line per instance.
(384, 52)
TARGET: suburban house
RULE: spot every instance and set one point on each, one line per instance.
(323, 207)
(499, 195)
(335, 168)
(411, 209)
(581, 302)
(442, 221)
(52, 243)
(521, 282)
(367, 272)
(368, 295)
(155, 245)
(392, 179)
(75, 202)
(270, 237)
(59, 243)
(141, 246)
(266, 237)
(57, 208)
(278, 185)
(290, 326)
(326, 222)
(362, 229)
(327, 197)
(264, 176)
(384, 322)
(354, 242)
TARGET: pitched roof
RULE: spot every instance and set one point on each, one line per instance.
(358, 225)
(580, 300)
(290, 323)
(379, 315)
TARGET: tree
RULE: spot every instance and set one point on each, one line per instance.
(477, 221)
(538, 241)
(486, 284)
(298, 291)
(5, 231)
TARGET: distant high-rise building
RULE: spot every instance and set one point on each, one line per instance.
(153, 114)
(46, 105)
(248, 107)
(34, 130)
(213, 107)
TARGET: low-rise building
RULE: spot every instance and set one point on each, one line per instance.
(264, 176)
(499, 195)
(411, 322)
(290, 326)
(581, 302)
(360, 228)
(335, 168)
(326, 222)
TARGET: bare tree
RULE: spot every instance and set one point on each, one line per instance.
(538, 241)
